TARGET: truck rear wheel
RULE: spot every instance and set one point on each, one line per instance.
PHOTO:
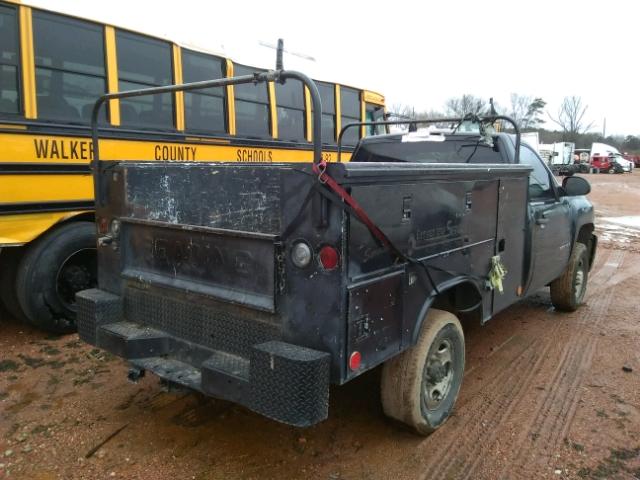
(568, 290)
(9, 260)
(419, 387)
(53, 269)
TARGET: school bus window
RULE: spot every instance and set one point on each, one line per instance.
(9, 99)
(144, 62)
(350, 113)
(375, 113)
(69, 66)
(252, 106)
(205, 110)
(291, 115)
(327, 97)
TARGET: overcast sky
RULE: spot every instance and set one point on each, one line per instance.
(419, 53)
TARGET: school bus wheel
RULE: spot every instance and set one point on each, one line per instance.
(419, 387)
(9, 260)
(55, 267)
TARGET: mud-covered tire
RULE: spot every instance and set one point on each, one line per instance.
(568, 290)
(411, 380)
(53, 269)
(9, 260)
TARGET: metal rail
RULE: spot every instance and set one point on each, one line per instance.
(458, 120)
(280, 76)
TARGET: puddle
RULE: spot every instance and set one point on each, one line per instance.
(631, 221)
(619, 229)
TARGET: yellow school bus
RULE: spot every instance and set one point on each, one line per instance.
(52, 69)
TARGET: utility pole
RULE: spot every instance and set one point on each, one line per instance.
(604, 128)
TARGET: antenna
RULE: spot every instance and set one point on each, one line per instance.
(279, 54)
(289, 52)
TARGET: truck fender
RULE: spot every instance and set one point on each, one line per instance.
(584, 235)
(445, 289)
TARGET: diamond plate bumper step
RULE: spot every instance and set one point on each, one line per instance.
(288, 383)
(129, 340)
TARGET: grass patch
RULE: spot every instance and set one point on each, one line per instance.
(33, 362)
(49, 350)
(8, 366)
(611, 466)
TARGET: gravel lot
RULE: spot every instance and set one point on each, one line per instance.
(545, 396)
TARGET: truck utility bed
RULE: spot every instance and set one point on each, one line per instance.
(197, 284)
(264, 283)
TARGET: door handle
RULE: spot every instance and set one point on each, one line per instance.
(542, 220)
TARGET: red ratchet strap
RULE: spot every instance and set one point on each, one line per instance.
(324, 178)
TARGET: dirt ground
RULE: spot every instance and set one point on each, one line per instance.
(545, 395)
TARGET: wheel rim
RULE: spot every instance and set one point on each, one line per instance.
(579, 283)
(77, 272)
(438, 374)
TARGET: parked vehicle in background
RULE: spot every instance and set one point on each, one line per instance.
(53, 67)
(635, 159)
(532, 139)
(559, 157)
(608, 159)
(618, 159)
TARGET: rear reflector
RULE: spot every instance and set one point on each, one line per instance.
(103, 226)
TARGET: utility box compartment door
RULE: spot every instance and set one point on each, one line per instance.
(510, 239)
(235, 268)
(375, 319)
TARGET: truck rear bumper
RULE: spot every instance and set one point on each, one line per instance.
(279, 380)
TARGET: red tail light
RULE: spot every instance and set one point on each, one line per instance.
(354, 361)
(329, 257)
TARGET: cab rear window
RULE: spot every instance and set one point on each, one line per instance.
(471, 150)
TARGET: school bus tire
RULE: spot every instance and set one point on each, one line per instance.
(419, 387)
(53, 269)
(9, 260)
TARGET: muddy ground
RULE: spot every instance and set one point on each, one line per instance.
(545, 395)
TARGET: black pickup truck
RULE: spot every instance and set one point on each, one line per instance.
(264, 284)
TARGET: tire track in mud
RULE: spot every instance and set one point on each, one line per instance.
(481, 414)
(556, 409)
(609, 265)
(462, 454)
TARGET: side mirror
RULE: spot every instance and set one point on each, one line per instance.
(574, 186)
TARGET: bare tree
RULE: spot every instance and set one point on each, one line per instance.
(571, 117)
(464, 105)
(402, 111)
(526, 110)
(519, 107)
(429, 114)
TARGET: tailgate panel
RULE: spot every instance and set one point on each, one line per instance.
(230, 266)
